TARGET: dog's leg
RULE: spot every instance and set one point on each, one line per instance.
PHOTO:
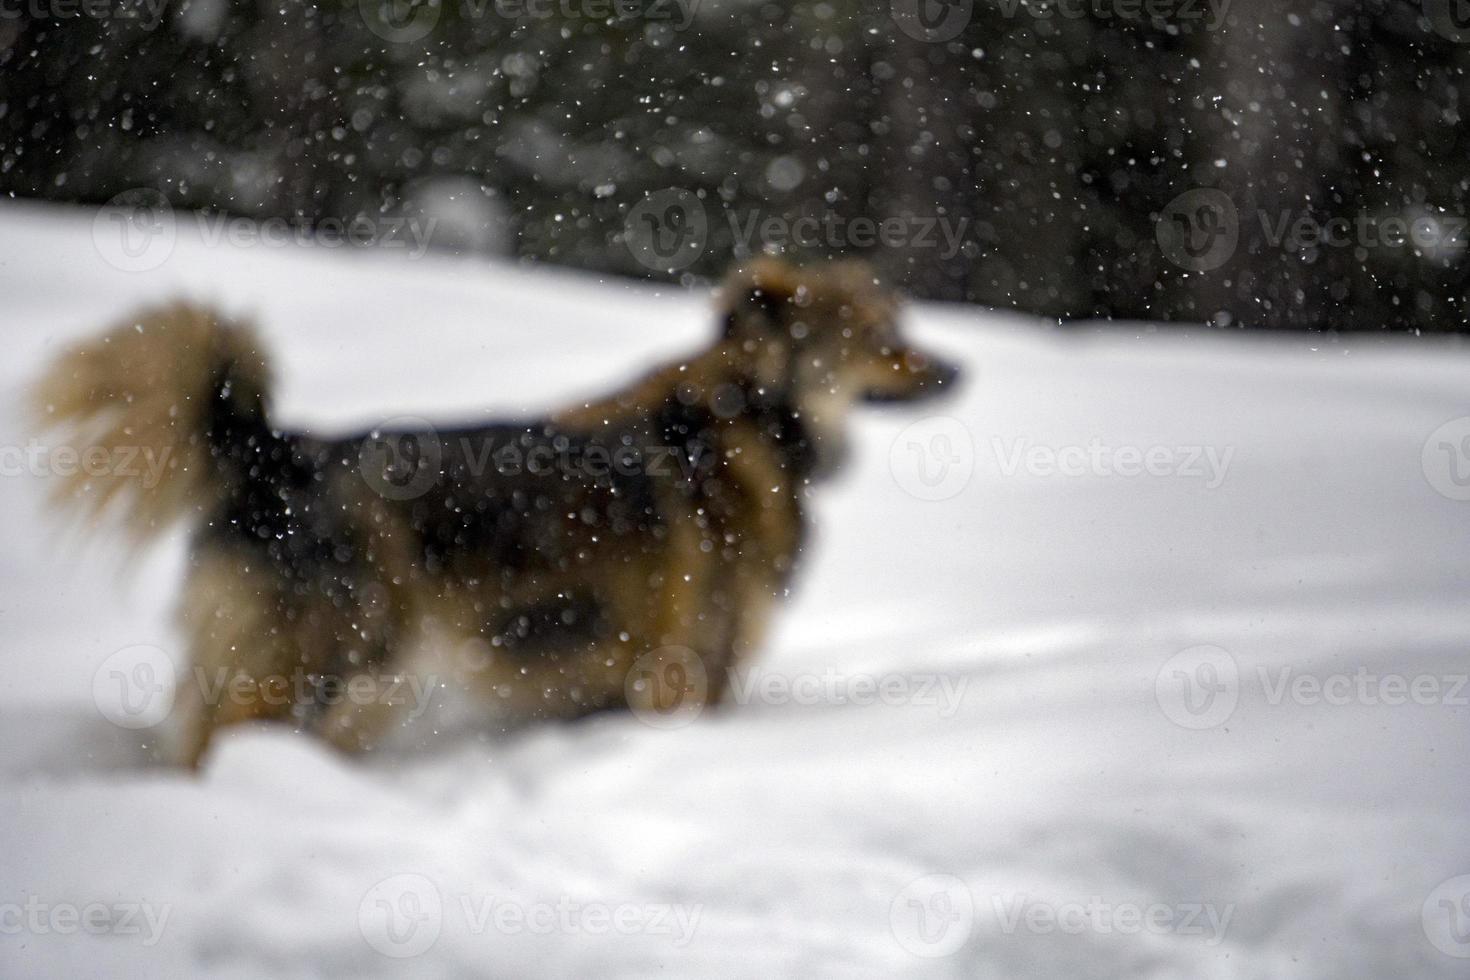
(370, 705)
(750, 598)
(390, 692)
(242, 652)
(687, 638)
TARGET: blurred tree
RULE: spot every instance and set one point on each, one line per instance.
(1054, 135)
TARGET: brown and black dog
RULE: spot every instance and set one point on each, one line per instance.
(653, 527)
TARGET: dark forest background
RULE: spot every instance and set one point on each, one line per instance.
(1060, 135)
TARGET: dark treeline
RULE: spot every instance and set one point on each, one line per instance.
(1021, 155)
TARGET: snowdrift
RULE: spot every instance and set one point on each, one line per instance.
(1143, 656)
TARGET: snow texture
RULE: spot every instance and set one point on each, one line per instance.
(1061, 803)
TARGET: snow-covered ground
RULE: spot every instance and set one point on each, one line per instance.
(1207, 720)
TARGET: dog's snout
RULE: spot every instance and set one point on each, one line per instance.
(925, 377)
(946, 374)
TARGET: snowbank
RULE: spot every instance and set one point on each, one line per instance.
(1204, 720)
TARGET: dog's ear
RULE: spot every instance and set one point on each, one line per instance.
(758, 297)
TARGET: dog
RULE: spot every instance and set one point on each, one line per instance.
(623, 553)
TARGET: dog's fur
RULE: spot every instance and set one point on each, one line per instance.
(333, 558)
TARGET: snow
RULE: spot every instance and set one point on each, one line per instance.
(1052, 769)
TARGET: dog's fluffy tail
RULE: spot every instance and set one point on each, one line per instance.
(159, 415)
